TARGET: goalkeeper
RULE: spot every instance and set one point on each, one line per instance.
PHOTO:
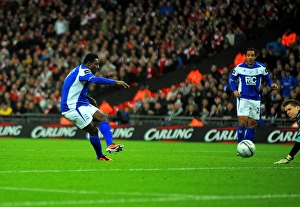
(292, 108)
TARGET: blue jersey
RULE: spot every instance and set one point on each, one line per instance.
(76, 85)
(247, 79)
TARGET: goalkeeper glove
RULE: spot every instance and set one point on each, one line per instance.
(285, 160)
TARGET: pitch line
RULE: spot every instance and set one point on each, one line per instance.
(144, 169)
(127, 150)
(47, 190)
(148, 200)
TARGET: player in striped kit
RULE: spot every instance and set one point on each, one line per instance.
(82, 110)
(245, 82)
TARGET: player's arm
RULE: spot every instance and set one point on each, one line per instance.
(87, 75)
(268, 80)
(234, 84)
(92, 101)
(106, 81)
(122, 83)
(101, 81)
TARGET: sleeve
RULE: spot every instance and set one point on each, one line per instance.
(233, 80)
(267, 77)
(103, 81)
(96, 80)
(268, 80)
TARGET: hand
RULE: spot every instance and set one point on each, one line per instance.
(93, 101)
(125, 85)
(236, 94)
(285, 160)
(274, 86)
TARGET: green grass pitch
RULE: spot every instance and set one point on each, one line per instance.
(47, 172)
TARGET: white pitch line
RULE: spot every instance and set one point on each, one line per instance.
(148, 200)
(130, 150)
(44, 150)
(144, 169)
(45, 190)
(127, 150)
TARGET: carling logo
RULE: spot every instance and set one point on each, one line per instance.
(40, 131)
(220, 135)
(283, 135)
(159, 134)
(10, 130)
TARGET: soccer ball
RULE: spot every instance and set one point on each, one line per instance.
(246, 148)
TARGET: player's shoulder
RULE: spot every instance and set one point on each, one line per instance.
(259, 65)
(237, 69)
(240, 66)
(83, 70)
(243, 64)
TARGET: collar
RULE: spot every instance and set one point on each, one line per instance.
(83, 66)
(298, 116)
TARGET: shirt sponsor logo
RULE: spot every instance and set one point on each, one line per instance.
(250, 80)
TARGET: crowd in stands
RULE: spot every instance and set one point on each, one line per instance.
(42, 40)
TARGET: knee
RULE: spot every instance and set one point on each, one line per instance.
(252, 124)
(94, 131)
(103, 117)
(106, 118)
(242, 123)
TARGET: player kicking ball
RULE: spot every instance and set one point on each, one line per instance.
(82, 110)
(292, 108)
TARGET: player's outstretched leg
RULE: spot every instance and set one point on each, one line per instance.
(115, 148)
(107, 134)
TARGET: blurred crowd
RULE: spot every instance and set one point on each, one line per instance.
(42, 40)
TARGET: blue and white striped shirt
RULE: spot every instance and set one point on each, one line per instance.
(247, 79)
(76, 85)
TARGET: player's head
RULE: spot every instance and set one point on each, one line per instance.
(92, 62)
(291, 107)
(252, 50)
(251, 55)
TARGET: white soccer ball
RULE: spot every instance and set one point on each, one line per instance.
(246, 148)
